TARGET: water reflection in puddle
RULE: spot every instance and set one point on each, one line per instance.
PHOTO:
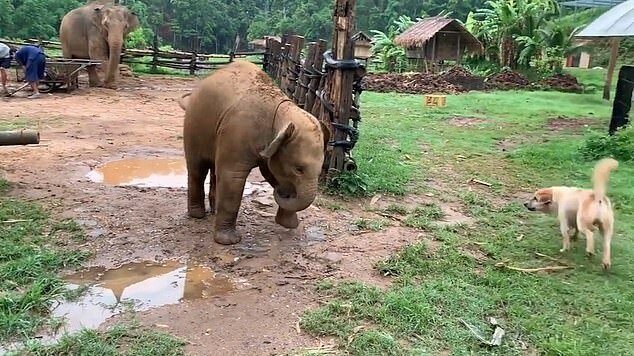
(139, 286)
(159, 172)
(153, 173)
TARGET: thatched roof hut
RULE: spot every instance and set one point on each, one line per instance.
(438, 38)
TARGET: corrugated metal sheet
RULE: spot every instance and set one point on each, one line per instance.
(591, 3)
(616, 22)
(422, 31)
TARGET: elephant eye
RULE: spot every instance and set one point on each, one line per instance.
(299, 170)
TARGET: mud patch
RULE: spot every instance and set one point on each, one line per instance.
(466, 121)
(562, 123)
(153, 173)
(138, 286)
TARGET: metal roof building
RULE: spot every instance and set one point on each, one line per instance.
(616, 22)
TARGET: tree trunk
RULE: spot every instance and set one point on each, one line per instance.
(21, 137)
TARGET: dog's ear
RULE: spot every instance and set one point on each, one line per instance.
(544, 196)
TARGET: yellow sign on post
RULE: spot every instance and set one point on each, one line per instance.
(435, 100)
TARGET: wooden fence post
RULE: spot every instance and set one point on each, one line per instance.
(340, 87)
(192, 64)
(315, 78)
(282, 70)
(155, 53)
(301, 87)
(293, 64)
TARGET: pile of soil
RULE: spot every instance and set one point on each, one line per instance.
(412, 83)
(458, 80)
(507, 79)
(463, 78)
(563, 82)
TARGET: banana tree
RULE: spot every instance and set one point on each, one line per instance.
(509, 24)
(392, 57)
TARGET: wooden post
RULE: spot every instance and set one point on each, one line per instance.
(301, 87)
(314, 84)
(283, 71)
(340, 87)
(293, 65)
(614, 56)
(21, 137)
(155, 53)
(267, 54)
(275, 58)
(458, 56)
(192, 64)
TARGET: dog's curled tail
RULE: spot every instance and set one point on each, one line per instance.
(601, 175)
(183, 102)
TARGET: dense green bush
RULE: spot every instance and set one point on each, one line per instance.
(619, 146)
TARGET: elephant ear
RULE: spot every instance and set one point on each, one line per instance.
(278, 141)
(325, 130)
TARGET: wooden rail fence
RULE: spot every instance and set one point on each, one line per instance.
(326, 83)
(156, 58)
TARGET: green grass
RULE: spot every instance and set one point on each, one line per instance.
(579, 311)
(371, 224)
(29, 263)
(31, 257)
(121, 339)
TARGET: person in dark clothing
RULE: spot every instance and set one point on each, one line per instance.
(33, 62)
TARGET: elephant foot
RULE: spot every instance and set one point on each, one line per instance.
(196, 212)
(227, 237)
(287, 219)
(95, 84)
(112, 86)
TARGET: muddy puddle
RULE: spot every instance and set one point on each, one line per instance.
(138, 287)
(153, 173)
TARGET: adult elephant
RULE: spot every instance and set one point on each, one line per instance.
(97, 31)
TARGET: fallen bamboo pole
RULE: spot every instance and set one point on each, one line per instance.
(19, 137)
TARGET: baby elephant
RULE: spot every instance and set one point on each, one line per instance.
(238, 119)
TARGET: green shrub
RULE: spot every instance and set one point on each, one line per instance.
(348, 184)
(620, 146)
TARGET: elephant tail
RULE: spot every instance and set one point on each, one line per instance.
(183, 102)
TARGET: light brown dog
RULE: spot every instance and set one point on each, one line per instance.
(581, 209)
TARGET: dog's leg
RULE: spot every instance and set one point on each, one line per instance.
(563, 226)
(607, 230)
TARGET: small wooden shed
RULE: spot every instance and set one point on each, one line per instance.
(362, 45)
(438, 38)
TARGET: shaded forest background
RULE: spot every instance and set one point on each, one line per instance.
(216, 23)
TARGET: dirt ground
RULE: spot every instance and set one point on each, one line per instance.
(279, 267)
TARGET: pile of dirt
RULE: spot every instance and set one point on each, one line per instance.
(507, 79)
(562, 82)
(463, 78)
(411, 83)
(458, 80)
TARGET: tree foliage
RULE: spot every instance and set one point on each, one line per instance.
(214, 24)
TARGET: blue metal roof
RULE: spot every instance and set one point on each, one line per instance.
(616, 22)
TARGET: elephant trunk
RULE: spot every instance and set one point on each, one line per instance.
(295, 200)
(115, 43)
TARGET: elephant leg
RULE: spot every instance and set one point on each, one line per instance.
(286, 218)
(230, 181)
(96, 51)
(93, 77)
(196, 174)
